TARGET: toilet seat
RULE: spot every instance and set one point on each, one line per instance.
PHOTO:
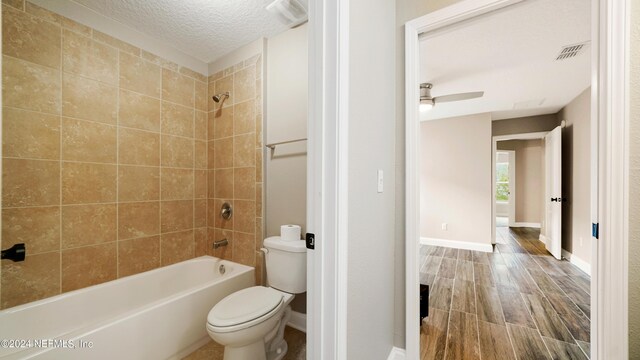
(245, 308)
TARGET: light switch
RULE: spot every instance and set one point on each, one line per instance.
(380, 181)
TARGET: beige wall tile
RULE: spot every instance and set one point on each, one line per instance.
(244, 84)
(36, 278)
(138, 147)
(37, 227)
(192, 74)
(176, 215)
(216, 219)
(221, 86)
(30, 38)
(245, 216)
(19, 4)
(259, 234)
(88, 225)
(138, 183)
(83, 56)
(77, 27)
(244, 183)
(121, 45)
(200, 184)
(210, 155)
(244, 117)
(211, 90)
(223, 153)
(84, 183)
(259, 138)
(176, 184)
(224, 184)
(139, 75)
(90, 265)
(200, 126)
(200, 213)
(139, 111)
(259, 167)
(138, 255)
(158, 60)
(139, 219)
(211, 183)
(30, 183)
(88, 99)
(201, 96)
(177, 247)
(222, 122)
(201, 242)
(259, 200)
(259, 269)
(224, 252)
(29, 134)
(177, 120)
(200, 156)
(21, 80)
(88, 141)
(177, 151)
(244, 150)
(244, 248)
(177, 88)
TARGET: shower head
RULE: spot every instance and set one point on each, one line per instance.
(218, 97)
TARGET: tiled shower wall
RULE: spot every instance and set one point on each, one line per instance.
(235, 162)
(105, 157)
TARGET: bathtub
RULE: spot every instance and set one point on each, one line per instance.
(159, 314)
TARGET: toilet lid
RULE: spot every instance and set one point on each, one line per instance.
(244, 305)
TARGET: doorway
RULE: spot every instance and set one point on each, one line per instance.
(463, 13)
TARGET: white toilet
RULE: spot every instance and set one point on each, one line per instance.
(250, 322)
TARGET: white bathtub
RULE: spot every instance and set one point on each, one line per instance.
(159, 314)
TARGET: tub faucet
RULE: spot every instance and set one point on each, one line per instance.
(219, 243)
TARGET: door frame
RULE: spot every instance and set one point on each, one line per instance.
(327, 175)
(494, 148)
(511, 212)
(610, 168)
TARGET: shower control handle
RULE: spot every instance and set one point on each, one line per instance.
(226, 211)
(15, 253)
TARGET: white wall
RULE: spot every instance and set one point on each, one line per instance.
(576, 176)
(455, 179)
(370, 304)
(286, 119)
(634, 185)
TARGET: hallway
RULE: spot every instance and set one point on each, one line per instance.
(515, 303)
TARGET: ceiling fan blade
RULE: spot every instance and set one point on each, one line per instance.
(458, 97)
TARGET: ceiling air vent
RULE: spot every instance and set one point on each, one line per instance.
(571, 51)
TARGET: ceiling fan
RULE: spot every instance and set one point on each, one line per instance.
(427, 101)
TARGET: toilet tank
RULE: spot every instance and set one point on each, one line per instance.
(286, 264)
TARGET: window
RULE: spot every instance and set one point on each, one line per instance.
(502, 181)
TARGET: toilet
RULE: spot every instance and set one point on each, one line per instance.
(250, 322)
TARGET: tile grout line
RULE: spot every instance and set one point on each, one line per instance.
(118, 168)
(60, 157)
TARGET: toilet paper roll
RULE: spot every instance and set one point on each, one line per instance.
(290, 232)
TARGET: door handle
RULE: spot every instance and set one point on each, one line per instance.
(556, 199)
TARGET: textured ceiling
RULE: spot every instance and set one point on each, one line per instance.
(510, 55)
(205, 29)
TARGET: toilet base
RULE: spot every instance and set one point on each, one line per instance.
(255, 351)
(279, 352)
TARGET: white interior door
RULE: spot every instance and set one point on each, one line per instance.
(553, 191)
(512, 187)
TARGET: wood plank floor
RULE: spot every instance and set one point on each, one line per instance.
(515, 303)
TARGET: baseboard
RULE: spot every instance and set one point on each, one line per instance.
(396, 354)
(298, 321)
(542, 238)
(525, 224)
(456, 244)
(579, 263)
